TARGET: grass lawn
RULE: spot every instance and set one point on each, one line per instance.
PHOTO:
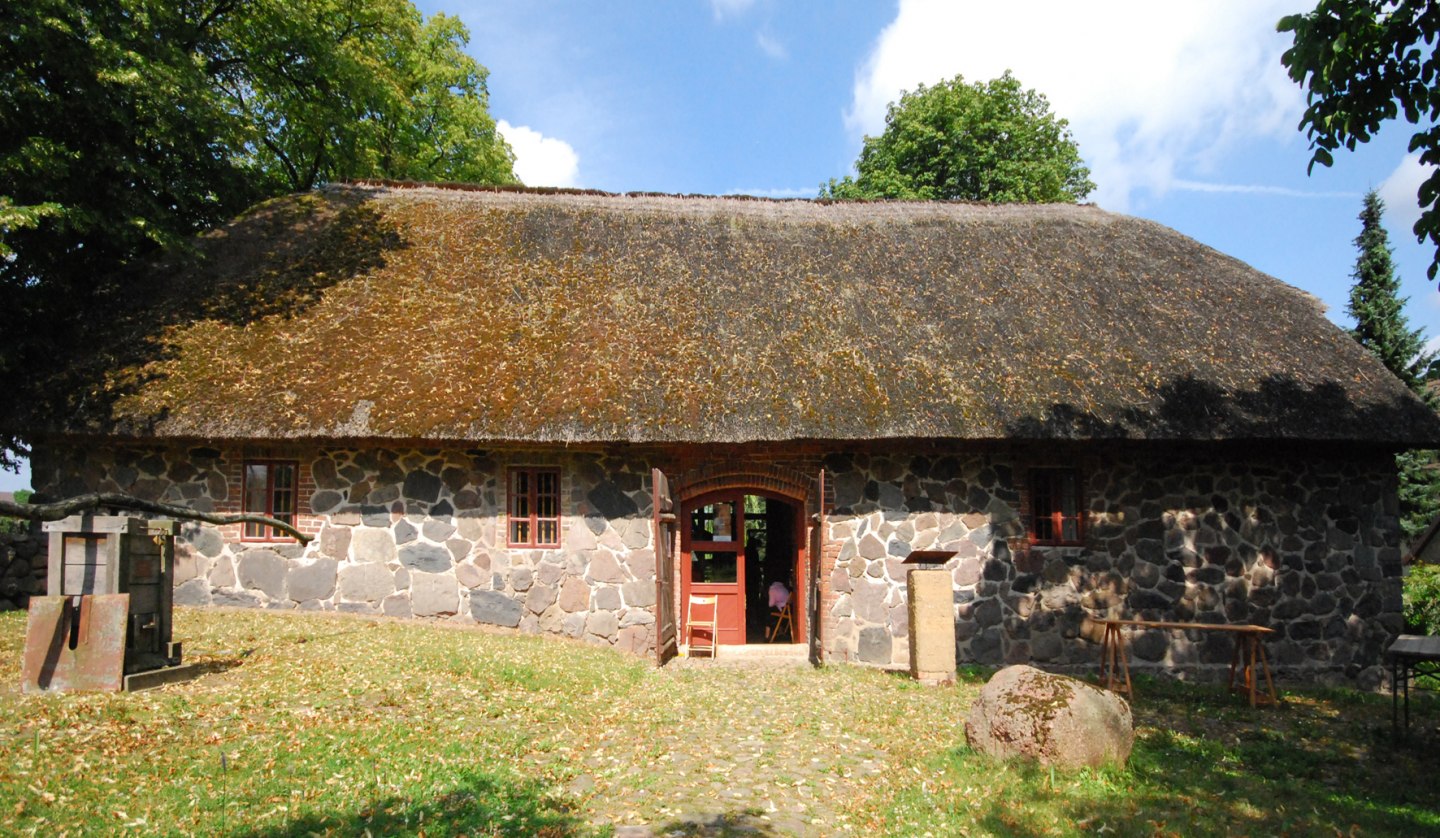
(310, 724)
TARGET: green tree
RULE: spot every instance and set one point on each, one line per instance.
(348, 90)
(1419, 473)
(1363, 63)
(987, 141)
(1376, 304)
(1382, 328)
(16, 525)
(129, 125)
(1422, 599)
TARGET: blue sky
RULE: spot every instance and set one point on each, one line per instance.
(1181, 109)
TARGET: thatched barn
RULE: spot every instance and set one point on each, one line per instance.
(566, 412)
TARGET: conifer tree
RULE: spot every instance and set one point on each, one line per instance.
(1381, 327)
(1376, 304)
(1419, 472)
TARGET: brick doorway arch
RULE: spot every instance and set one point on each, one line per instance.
(788, 483)
(786, 495)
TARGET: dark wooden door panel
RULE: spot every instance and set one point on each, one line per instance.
(663, 516)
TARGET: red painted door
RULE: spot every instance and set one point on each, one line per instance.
(713, 541)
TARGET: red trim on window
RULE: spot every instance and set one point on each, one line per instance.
(1057, 516)
(277, 498)
(533, 501)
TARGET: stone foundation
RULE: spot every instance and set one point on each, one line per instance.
(1304, 541)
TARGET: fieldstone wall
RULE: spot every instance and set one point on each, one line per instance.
(23, 567)
(886, 508)
(1301, 541)
(406, 533)
(1309, 548)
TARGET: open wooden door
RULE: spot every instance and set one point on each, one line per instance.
(663, 511)
(817, 559)
(712, 540)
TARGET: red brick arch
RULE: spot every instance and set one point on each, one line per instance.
(785, 482)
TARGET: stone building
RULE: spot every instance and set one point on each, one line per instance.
(565, 412)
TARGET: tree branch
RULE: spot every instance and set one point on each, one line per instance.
(221, 8)
(118, 500)
(284, 161)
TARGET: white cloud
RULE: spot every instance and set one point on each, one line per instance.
(1151, 89)
(771, 46)
(777, 192)
(1255, 189)
(730, 8)
(541, 160)
(1402, 206)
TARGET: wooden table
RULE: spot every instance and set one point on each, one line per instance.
(1249, 662)
(1410, 655)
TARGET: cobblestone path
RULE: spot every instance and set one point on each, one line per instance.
(762, 748)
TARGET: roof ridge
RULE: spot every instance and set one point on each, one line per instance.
(522, 189)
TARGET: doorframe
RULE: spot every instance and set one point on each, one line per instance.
(684, 504)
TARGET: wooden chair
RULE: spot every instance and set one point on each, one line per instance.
(782, 617)
(695, 618)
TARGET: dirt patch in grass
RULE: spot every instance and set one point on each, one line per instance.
(789, 750)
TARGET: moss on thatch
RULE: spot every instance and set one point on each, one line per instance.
(442, 314)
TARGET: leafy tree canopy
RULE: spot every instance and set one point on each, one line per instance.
(128, 125)
(1364, 63)
(987, 141)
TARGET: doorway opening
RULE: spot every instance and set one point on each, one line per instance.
(736, 546)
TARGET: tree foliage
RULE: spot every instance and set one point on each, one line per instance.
(1364, 63)
(987, 141)
(1376, 304)
(1419, 490)
(129, 125)
(1382, 328)
(1422, 599)
(16, 525)
(356, 90)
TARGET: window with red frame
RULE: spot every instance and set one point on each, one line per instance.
(269, 490)
(1055, 506)
(534, 507)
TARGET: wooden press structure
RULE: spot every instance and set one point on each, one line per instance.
(105, 622)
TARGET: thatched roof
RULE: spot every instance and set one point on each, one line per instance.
(423, 313)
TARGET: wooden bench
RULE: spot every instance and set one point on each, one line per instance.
(1249, 662)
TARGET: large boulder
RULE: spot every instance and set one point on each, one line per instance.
(1057, 720)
